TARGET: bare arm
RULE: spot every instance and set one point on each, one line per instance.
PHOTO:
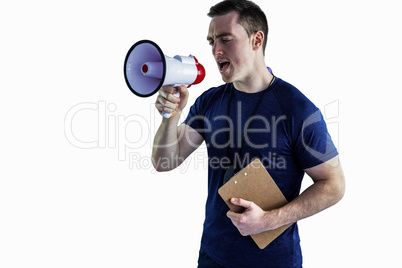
(327, 190)
(172, 143)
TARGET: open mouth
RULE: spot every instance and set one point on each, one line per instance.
(223, 66)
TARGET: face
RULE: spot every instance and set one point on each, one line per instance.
(231, 47)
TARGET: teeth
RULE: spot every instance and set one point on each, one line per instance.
(222, 64)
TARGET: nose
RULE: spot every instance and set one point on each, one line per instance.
(216, 50)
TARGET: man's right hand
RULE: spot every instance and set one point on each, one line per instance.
(172, 143)
(168, 103)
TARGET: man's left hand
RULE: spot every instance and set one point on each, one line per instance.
(253, 220)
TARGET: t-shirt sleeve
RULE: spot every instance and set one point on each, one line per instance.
(313, 145)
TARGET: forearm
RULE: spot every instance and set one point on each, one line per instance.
(319, 196)
(327, 190)
(166, 150)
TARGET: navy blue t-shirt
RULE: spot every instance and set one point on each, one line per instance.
(282, 128)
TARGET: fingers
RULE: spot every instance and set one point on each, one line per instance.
(251, 220)
(169, 103)
(166, 101)
(168, 93)
(239, 220)
(239, 202)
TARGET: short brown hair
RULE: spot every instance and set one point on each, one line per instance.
(251, 17)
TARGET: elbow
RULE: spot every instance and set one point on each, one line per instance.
(157, 162)
(333, 190)
(160, 169)
(340, 188)
(157, 165)
(157, 168)
(162, 164)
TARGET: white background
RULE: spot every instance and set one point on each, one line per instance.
(62, 89)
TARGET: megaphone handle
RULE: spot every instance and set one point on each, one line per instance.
(166, 115)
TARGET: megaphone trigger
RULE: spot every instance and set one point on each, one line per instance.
(147, 69)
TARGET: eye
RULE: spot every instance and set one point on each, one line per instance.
(226, 40)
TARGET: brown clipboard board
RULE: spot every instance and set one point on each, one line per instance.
(253, 183)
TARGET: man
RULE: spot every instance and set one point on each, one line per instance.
(254, 114)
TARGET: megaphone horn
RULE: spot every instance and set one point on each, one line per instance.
(147, 69)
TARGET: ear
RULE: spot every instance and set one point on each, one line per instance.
(258, 40)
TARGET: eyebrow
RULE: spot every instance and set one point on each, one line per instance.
(209, 38)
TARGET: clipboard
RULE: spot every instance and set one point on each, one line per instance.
(253, 183)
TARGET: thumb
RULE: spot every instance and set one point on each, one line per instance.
(241, 202)
(184, 94)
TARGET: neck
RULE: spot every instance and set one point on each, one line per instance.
(257, 81)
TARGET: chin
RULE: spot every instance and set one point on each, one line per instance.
(227, 79)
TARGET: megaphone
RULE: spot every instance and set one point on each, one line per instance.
(147, 69)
